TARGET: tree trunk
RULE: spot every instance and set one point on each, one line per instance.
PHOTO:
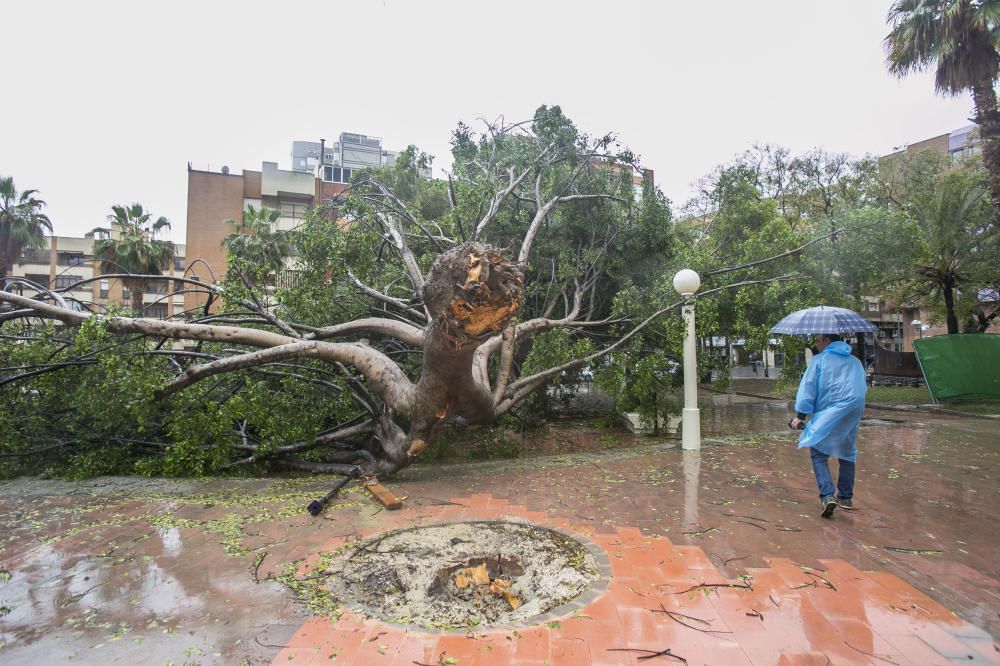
(988, 118)
(137, 301)
(471, 293)
(949, 304)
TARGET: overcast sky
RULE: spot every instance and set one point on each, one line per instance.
(107, 102)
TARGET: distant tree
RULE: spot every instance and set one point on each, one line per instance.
(22, 224)
(959, 39)
(953, 255)
(132, 249)
(256, 245)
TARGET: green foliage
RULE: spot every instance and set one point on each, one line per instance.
(22, 223)
(130, 246)
(100, 416)
(256, 246)
(955, 37)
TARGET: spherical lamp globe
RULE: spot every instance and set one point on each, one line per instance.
(686, 282)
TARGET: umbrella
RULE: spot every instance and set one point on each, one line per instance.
(824, 319)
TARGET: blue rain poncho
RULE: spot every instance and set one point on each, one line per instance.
(833, 391)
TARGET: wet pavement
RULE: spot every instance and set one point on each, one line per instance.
(230, 572)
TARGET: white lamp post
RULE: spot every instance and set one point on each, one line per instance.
(686, 282)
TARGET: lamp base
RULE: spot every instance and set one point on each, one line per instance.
(690, 428)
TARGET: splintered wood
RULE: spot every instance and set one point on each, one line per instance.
(479, 576)
(383, 495)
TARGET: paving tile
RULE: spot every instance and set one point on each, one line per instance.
(417, 647)
(462, 648)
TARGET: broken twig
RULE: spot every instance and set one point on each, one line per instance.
(651, 654)
(675, 616)
(869, 654)
(700, 586)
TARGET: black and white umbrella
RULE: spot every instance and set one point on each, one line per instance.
(824, 319)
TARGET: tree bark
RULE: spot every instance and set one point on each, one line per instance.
(471, 293)
(138, 289)
(949, 303)
(988, 118)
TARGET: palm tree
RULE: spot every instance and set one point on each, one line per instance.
(255, 242)
(22, 224)
(960, 39)
(134, 250)
(953, 251)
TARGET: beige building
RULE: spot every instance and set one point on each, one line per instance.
(319, 173)
(214, 197)
(66, 260)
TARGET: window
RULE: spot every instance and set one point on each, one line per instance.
(156, 310)
(38, 278)
(178, 263)
(104, 289)
(873, 306)
(63, 281)
(126, 293)
(295, 211)
(335, 174)
(71, 258)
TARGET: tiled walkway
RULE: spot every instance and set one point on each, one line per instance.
(144, 571)
(664, 596)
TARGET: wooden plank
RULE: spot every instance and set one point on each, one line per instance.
(383, 495)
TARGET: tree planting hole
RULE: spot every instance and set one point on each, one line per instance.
(470, 574)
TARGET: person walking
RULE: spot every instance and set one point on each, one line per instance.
(832, 397)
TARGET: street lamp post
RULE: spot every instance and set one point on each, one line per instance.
(686, 282)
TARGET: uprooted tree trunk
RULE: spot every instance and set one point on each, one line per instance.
(471, 293)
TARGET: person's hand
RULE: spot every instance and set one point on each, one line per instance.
(796, 423)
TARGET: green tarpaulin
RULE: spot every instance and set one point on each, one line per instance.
(961, 367)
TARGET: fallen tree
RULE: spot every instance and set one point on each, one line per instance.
(442, 317)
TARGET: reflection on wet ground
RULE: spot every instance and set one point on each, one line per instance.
(111, 571)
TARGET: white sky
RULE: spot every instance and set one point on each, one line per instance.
(107, 102)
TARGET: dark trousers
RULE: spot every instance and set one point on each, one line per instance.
(845, 476)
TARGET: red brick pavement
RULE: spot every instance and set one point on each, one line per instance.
(792, 615)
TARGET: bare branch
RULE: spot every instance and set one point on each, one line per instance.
(498, 199)
(385, 298)
(780, 255)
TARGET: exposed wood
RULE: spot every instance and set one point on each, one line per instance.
(383, 494)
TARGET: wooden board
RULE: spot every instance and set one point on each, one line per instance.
(384, 495)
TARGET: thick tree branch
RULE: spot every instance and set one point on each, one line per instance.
(392, 328)
(396, 388)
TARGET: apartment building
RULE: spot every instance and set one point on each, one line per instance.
(67, 260)
(214, 197)
(957, 144)
(335, 163)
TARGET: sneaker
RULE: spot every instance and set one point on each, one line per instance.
(829, 504)
(845, 503)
